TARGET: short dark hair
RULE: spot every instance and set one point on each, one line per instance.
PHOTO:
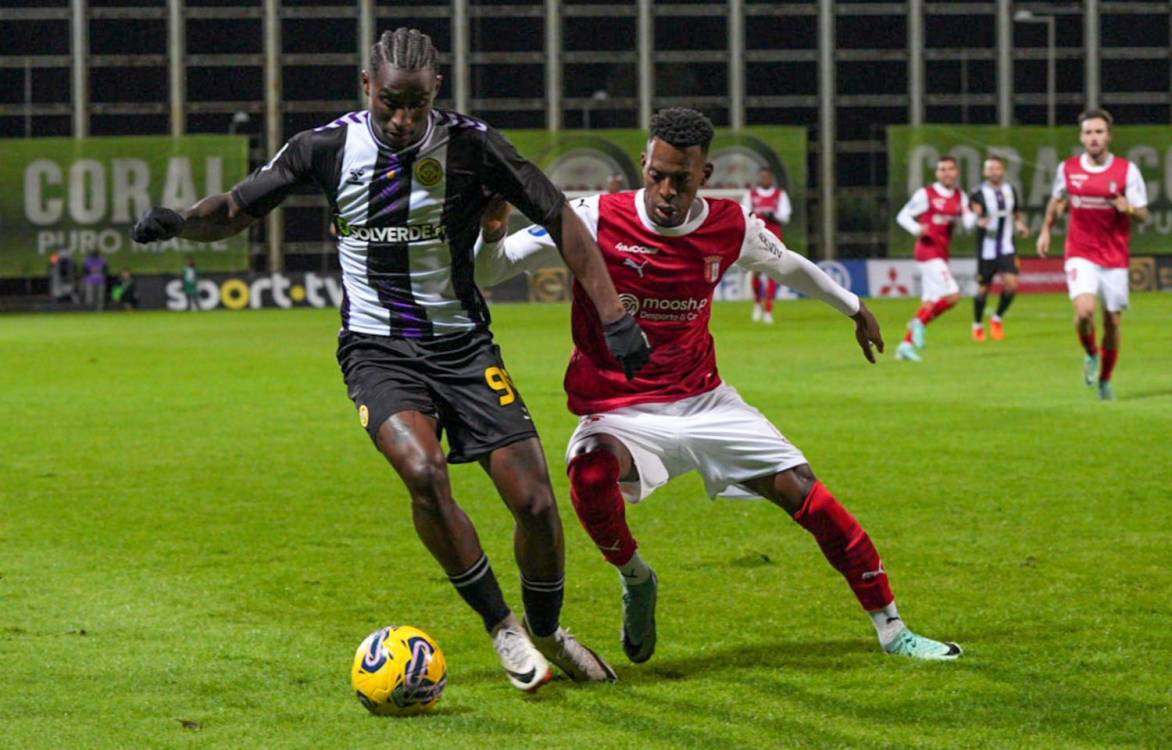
(947, 157)
(1096, 114)
(405, 49)
(997, 158)
(682, 127)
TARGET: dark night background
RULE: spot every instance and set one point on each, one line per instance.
(130, 96)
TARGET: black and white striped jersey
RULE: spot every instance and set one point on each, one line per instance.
(407, 220)
(1000, 205)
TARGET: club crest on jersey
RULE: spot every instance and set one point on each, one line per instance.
(712, 268)
(429, 172)
(938, 204)
(355, 177)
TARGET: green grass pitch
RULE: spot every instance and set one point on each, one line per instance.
(194, 528)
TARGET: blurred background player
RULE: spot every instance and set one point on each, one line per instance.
(415, 348)
(677, 416)
(615, 183)
(191, 284)
(771, 205)
(995, 205)
(930, 216)
(95, 280)
(1105, 192)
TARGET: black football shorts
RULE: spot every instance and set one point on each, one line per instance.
(987, 269)
(460, 380)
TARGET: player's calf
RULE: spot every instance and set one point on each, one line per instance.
(598, 501)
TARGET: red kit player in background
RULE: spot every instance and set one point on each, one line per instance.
(930, 216)
(666, 250)
(770, 204)
(1105, 192)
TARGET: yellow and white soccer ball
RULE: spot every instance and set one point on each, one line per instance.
(399, 671)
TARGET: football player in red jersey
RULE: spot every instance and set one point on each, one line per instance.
(666, 250)
(1105, 193)
(930, 216)
(771, 205)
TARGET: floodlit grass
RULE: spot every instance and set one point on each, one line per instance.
(194, 528)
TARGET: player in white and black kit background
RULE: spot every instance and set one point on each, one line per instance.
(997, 208)
(407, 185)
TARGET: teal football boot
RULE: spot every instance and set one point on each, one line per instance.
(1090, 370)
(915, 646)
(639, 618)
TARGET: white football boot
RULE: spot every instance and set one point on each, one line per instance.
(578, 662)
(526, 667)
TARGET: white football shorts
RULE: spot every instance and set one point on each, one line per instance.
(715, 433)
(936, 280)
(1112, 285)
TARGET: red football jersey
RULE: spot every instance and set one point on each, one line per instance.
(665, 279)
(1097, 231)
(765, 204)
(943, 212)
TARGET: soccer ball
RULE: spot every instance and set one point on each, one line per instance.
(399, 671)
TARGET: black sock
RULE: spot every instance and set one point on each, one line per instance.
(480, 589)
(979, 307)
(543, 604)
(1004, 303)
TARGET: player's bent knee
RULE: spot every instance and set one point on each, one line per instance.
(428, 484)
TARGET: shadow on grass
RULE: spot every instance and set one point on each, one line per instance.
(1142, 394)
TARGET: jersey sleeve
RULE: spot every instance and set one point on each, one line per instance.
(763, 252)
(977, 197)
(1137, 190)
(785, 209)
(519, 180)
(526, 251)
(915, 206)
(264, 189)
(1058, 191)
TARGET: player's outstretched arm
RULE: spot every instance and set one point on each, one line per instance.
(500, 257)
(213, 218)
(763, 253)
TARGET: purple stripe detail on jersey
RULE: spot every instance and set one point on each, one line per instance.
(355, 117)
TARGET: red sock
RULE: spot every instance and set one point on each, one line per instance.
(770, 293)
(1088, 341)
(594, 490)
(1107, 366)
(755, 279)
(939, 307)
(846, 546)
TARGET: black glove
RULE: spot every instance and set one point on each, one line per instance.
(628, 344)
(157, 224)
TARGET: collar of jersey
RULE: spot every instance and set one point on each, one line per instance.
(1085, 162)
(686, 228)
(946, 192)
(767, 192)
(384, 146)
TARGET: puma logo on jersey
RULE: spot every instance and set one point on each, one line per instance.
(632, 263)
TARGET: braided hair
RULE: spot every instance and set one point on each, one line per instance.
(405, 49)
(682, 127)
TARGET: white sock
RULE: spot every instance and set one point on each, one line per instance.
(996, 318)
(635, 571)
(887, 623)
